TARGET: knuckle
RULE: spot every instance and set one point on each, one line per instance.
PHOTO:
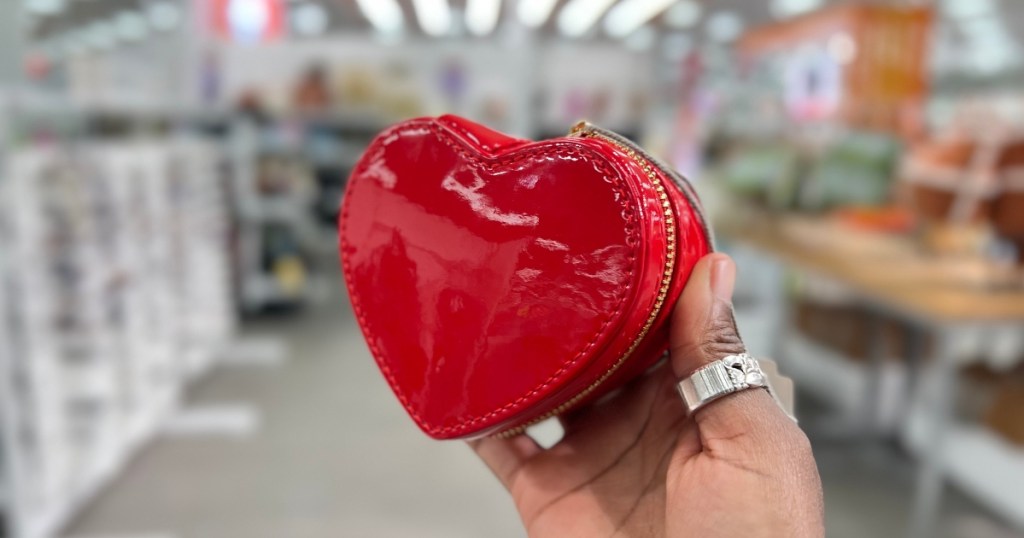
(721, 338)
(686, 350)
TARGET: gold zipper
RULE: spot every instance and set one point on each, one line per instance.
(583, 130)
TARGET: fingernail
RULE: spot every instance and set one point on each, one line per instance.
(723, 279)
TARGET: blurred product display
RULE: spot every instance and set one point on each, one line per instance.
(288, 179)
(967, 180)
(171, 173)
(896, 244)
(117, 295)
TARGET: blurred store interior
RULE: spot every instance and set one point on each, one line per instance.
(178, 358)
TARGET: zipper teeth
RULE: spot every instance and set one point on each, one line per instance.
(684, 184)
(584, 130)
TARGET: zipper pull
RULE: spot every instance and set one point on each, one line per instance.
(580, 128)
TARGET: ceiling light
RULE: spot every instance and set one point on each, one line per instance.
(579, 15)
(641, 39)
(130, 26)
(791, 8)
(534, 13)
(163, 16)
(684, 14)
(964, 9)
(434, 15)
(482, 16)
(384, 15)
(44, 7)
(310, 19)
(724, 26)
(248, 20)
(628, 15)
(983, 27)
(991, 58)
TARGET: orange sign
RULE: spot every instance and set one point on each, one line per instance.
(881, 54)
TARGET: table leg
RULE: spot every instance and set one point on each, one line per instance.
(913, 360)
(872, 405)
(937, 395)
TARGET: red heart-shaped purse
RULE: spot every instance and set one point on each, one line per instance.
(501, 281)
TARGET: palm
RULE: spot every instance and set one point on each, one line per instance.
(607, 475)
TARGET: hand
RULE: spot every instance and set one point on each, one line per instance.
(635, 464)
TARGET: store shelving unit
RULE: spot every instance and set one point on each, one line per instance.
(272, 200)
(844, 383)
(822, 372)
(114, 294)
(288, 177)
(979, 462)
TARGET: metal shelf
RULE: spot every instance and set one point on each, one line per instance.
(979, 462)
(155, 316)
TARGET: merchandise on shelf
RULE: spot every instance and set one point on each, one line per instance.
(968, 180)
(287, 182)
(117, 293)
(853, 169)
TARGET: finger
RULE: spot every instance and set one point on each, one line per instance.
(703, 330)
(702, 327)
(506, 457)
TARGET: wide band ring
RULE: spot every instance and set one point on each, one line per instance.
(730, 375)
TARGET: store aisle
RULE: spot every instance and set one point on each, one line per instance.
(335, 456)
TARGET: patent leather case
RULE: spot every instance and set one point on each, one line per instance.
(499, 281)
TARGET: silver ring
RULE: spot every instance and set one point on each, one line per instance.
(730, 375)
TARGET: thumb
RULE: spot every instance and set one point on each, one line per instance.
(703, 330)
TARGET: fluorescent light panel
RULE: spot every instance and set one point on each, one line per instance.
(45, 7)
(534, 13)
(684, 14)
(790, 8)
(131, 26)
(983, 27)
(311, 19)
(965, 9)
(435, 16)
(384, 15)
(163, 16)
(724, 26)
(578, 16)
(629, 15)
(482, 16)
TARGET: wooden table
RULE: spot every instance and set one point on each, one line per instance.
(889, 271)
(953, 299)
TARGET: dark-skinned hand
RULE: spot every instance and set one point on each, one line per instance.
(637, 465)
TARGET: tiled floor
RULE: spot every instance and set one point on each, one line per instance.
(334, 455)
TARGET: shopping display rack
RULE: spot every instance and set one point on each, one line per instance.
(288, 175)
(114, 294)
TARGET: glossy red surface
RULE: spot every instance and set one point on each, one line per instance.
(496, 278)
